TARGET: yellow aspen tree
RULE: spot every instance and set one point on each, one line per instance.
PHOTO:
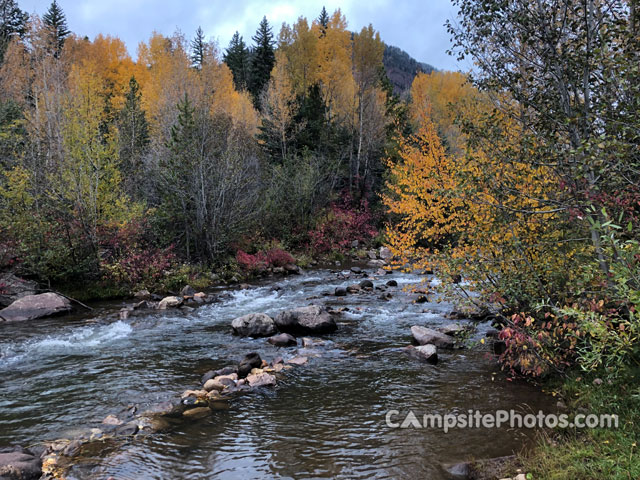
(335, 68)
(279, 102)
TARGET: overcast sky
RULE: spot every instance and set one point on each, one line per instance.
(416, 26)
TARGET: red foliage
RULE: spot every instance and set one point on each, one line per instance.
(251, 263)
(276, 257)
(128, 257)
(260, 261)
(343, 223)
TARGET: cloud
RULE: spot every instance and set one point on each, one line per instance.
(416, 26)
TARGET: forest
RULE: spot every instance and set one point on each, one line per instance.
(517, 183)
(118, 171)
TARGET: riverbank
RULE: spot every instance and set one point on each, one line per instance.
(591, 453)
(82, 368)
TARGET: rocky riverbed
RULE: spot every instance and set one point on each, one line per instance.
(290, 377)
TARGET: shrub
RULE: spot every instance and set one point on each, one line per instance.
(341, 225)
(251, 263)
(260, 261)
(276, 257)
(130, 259)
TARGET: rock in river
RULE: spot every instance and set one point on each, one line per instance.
(261, 380)
(283, 340)
(426, 336)
(248, 363)
(426, 353)
(19, 464)
(31, 307)
(170, 302)
(312, 319)
(254, 325)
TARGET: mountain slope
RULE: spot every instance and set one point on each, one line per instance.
(402, 68)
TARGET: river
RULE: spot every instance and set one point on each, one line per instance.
(325, 419)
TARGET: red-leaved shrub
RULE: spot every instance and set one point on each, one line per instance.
(341, 225)
(260, 261)
(130, 259)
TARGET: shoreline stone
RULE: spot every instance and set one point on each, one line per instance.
(32, 307)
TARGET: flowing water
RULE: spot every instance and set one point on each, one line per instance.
(325, 419)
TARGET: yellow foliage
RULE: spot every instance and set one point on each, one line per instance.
(482, 212)
(441, 97)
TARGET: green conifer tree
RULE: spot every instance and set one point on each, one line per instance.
(56, 20)
(262, 61)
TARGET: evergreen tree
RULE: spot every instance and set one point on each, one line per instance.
(133, 138)
(263, 60)
(12, 22)
(56, 20)
(175, 170)
(237, 57)
(198, 49)
(323, 20)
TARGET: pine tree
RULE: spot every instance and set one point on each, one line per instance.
(198, 49)
(263, 60)
(176, 168)
(323, 20)
(12, 22)
(56, 20)
(134, 137)
(238, 57)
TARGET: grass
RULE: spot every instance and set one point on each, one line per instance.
(598, 453)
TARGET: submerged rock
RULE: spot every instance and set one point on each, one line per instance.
(112, 420)
(298, 360)
(424, 336)
(254, 325)
(31, 307)
(283, 340)
(198, 412)
(340, 292)
(19, 464)
(261, 379)
(312, 319)
(392, 283)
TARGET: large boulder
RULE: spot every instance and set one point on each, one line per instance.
(35, 306)
(254, 325)
(312, 319)
(19, 464)
(425, 336)
(13, 288)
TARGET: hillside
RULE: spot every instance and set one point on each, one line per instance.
(402, 68)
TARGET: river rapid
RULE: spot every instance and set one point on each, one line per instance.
(325, 419)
